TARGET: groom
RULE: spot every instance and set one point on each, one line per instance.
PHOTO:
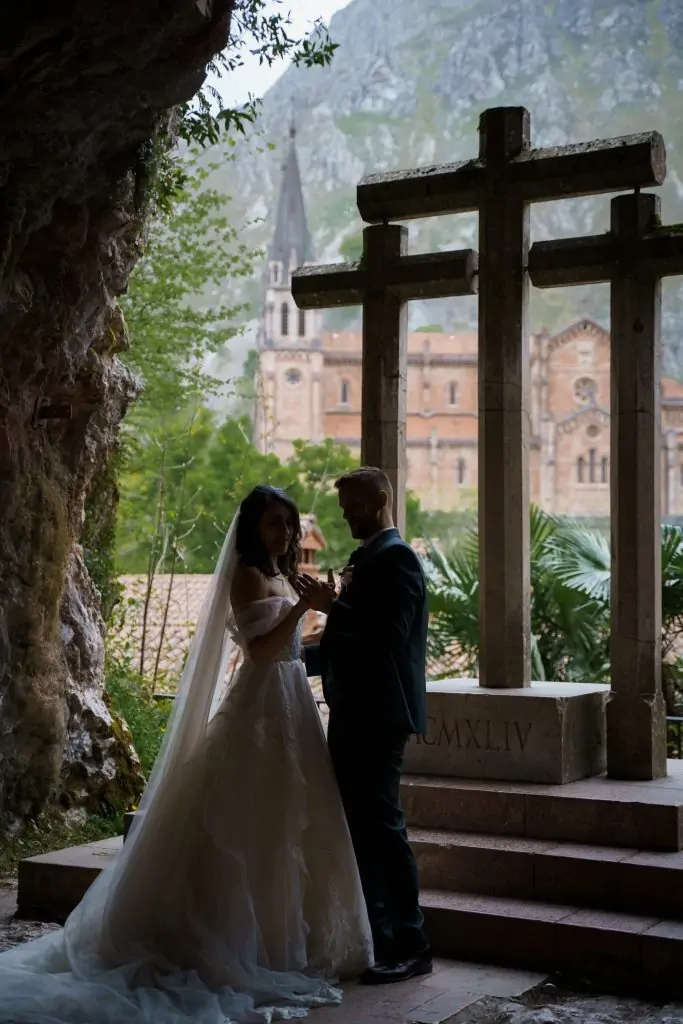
(371, 657)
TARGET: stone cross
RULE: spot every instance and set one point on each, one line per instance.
(500, 183)
(383, 281)
(633, 256)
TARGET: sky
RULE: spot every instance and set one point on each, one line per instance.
(255, 78)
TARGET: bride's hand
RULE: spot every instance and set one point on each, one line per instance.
(319, 596)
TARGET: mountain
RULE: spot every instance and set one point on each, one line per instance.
(406, 88)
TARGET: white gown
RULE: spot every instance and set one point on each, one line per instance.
(241, 899)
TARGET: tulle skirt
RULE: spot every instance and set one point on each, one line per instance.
(239, 899)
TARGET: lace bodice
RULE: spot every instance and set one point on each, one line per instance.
(260, 617)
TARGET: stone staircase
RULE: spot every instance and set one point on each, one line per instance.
(585, 879)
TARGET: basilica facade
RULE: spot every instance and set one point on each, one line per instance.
(309, 387)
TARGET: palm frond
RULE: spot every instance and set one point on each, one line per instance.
(581, 560)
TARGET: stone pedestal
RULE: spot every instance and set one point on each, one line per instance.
(545, 733)
(636, 736)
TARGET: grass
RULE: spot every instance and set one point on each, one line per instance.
(51, 832)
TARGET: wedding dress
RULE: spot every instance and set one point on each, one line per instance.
(236, 897)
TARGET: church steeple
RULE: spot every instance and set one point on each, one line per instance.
(289, 396)
(291, 245)
(282, 323)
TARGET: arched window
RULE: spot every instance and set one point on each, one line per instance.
(275, 272)
(344, 390)
(284, 319)
(461, 471)
(302, 323)
(453, 393)
(592, 470)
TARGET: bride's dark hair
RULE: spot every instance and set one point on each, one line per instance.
(248, 541)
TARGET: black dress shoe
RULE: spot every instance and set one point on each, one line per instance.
(403, 970)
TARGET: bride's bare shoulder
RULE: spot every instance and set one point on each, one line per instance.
(248, 585)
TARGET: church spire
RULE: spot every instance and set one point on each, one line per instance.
(291, 245)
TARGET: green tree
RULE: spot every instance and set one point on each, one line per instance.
(172, 332)
(186, 483)
(351, 247)
(245, 386)
(173, 329)
(262, 32)
(191, 248)
(231, 467)
(315, 468)
(158, 491)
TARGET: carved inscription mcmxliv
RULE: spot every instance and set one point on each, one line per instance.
(484, 734)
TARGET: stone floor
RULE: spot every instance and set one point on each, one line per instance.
(13, 931)
(456, 993)
(450, 990)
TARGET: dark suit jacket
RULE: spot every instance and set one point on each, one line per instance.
(372, 654)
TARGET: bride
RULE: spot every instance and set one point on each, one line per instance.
(236, 896)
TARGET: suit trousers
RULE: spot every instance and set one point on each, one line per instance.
(367, 763)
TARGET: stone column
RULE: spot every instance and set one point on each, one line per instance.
(636, 714)
(385, 363)
(503, 407)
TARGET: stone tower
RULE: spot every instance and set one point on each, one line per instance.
(290, 370)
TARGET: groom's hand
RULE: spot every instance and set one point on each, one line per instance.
(319, 596)
(346, 576)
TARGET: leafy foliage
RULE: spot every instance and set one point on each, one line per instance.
(190, 477)
(264, 34)
(174, 325)
(351, 247)
(172, 322)
(145, 717)
(204, 120)
(570, 603)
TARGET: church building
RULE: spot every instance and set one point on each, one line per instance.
(309, 387)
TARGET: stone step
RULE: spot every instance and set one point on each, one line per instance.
(626, 951)
(52, 884)
(636, 951)
(598, 812)
(597, 877)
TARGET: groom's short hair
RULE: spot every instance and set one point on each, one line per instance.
(376, 480)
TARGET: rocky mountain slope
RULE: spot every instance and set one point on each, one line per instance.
(406, 88)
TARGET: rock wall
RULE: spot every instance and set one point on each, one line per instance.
(82, 87)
